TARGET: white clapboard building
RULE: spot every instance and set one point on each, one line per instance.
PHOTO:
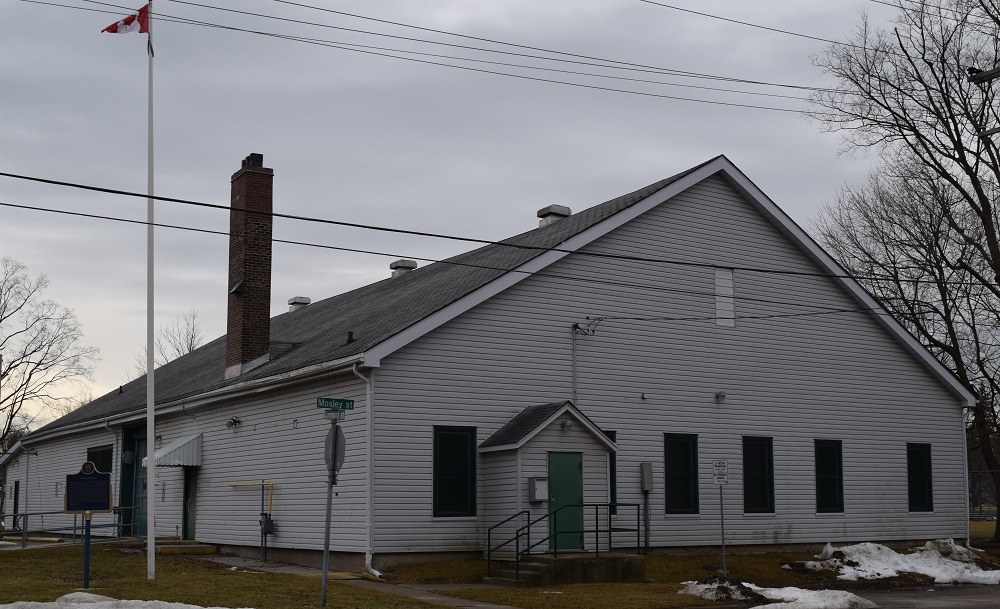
(688, 322)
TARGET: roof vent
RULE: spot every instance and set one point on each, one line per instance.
(297, 302)
(402, 266)
(553, 213)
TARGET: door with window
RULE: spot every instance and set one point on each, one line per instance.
(565, 501)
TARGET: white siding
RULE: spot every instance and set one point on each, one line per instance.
(794, 377)
(43, 488)
(279, 440)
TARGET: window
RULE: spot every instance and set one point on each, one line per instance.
(680, 467)
(758, 475)
(918, 477)
(612, 475)
(101, 457)
(829, 476)
(454, 471)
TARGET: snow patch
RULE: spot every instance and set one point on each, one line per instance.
(85, 600)
(719, 589)
(941, 559)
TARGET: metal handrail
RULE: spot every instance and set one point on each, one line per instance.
(76, 529)
(525, 531)
(489, 536)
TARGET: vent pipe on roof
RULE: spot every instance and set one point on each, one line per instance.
(553, 213)
(248, 327)
(297, 302)
(402, 266)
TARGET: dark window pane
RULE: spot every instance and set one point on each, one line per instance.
(101, 457)
(454, 471)
(829, 476)
(758, 475)
(918, 477)
(680, 454)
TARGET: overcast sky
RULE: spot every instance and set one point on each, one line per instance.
(366, 138)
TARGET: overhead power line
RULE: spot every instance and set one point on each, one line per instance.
(387, 52)
(818, 309)
(402, 231)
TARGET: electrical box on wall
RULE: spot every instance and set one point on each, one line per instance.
(538, 489)
(646, 476)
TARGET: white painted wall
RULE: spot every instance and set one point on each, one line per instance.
(835, 375)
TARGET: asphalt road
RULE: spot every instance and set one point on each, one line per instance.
(964, 596)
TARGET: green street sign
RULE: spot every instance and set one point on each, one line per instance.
(334, 404)
(338, 415)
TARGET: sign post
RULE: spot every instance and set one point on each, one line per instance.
(333, 453)
(720, 477)
(87, 493)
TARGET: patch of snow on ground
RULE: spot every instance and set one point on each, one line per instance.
(942, 559)
(797, 598)
(716, 589)
(85, 600)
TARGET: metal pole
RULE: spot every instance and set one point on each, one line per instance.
(86, 551)
(326, 539)
(150, 392)
(722, 519)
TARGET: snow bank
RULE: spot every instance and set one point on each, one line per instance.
(797, 598)
(942, 559)
(84, 600)
(718, 589)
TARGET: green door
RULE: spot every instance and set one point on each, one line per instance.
(566, 489)
(189, 515)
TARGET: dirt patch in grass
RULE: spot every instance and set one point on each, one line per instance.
(446, 572)
(587, 596)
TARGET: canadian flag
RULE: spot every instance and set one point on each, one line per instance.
(136, 22)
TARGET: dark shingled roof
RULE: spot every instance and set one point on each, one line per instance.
(317, 333)
(523, 424)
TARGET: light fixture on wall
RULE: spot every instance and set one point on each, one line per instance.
(567, 425)
(233, 422)
(720, 396)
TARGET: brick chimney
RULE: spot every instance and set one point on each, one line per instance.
(248, 332)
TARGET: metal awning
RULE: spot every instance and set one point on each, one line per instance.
(181, 452)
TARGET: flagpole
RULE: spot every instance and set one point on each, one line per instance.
(150, 391)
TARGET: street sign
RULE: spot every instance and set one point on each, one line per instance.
(335, 403)
(335, 449)
(720, 472)
(335, 415)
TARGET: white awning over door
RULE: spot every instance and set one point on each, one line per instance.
(182, 452)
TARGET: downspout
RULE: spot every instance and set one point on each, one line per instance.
(115, 456)
(369, 457)
(965, 471)
(574, 329)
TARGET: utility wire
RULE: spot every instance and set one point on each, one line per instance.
(505, 243)
(450, 261)
(620, 65)
(753, 25)
(358, 48)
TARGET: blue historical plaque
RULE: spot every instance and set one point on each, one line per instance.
(88, 491)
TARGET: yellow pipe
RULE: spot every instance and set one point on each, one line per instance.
(270, 500)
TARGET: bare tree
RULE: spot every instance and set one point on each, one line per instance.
(179, 337)
(922, 234)
(40, 343)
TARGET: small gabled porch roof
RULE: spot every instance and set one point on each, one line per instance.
(516, 432)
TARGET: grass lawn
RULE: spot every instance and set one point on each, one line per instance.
(45, 574)
(666, 573)
(982, 529)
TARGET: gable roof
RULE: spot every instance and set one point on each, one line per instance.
(527, 423)
(388, 314)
